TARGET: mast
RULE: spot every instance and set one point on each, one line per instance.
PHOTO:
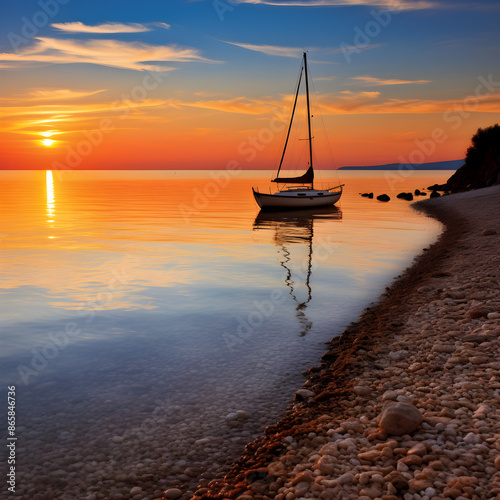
(308, 113)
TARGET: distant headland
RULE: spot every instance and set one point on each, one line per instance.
(437, 165)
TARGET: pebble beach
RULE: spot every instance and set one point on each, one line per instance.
(406, 402)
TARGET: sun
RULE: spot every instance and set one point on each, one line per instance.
(48, 142)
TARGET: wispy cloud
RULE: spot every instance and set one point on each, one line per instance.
(373, 103)
(112, 53)
(386, 4)
(296, 52)
(109, 27)
(51, 95)
(29, 118)
(270, 50)
(346, 102)
(161, 25)
(75, 109)
(371, 80)
(236, 105)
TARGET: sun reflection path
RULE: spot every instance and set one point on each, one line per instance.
(51, 207)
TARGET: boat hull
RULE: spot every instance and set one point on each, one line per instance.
(308, 198)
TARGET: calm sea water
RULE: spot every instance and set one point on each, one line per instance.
(166, 298)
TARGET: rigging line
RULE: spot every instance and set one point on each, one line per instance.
(291, 120)
(283, 143)
(318, 107)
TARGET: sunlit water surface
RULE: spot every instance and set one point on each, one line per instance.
(141, 308)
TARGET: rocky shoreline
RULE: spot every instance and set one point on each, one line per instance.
(432, 345)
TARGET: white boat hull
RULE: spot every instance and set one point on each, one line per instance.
(303, 198)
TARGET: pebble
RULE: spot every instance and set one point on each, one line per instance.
(173, 493)
(399, 418)
(346, 478)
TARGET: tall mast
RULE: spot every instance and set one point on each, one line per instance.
(308, 113)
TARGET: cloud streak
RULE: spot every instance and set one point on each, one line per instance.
(371, 80)
(270, 50)
(110, 27)
(240, 105)
(111, 53)
(36, 118)
(296, 52)
(372, 103)
(75, 109)
(51, 95)
(392, 5)
(346, 102)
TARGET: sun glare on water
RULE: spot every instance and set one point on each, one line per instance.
(48, 142)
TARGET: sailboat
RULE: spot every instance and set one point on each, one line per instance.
(298, 192)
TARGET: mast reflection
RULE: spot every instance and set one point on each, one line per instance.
(291, 228)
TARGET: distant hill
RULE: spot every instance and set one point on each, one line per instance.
(437, 165)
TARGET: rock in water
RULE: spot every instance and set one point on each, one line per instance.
(400, 418)
(383, 197)
(405, 196)
(434, 194)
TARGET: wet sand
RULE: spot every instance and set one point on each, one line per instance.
(433, 342)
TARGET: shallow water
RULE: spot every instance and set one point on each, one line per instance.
(141, 308)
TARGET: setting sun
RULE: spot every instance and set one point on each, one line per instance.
(48, 142)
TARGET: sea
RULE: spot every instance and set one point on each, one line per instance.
(154, 322)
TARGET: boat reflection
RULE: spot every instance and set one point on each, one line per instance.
(294, 228)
